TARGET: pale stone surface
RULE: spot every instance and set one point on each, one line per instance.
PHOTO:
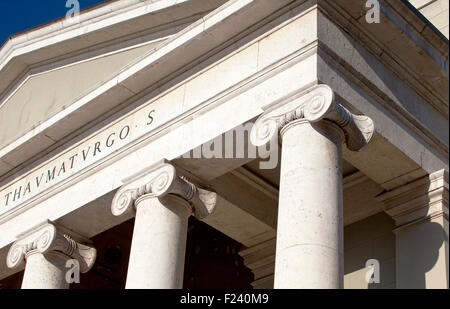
(221, 76)
(431, 115)
(282, 84)
(395, 72)
(310, 224)
(159, 244)
(359, 201)
(428, 243)
(45, 271)
(310, 217)
(291, 37)
(47, 237)
(29, 105)
(239, 224)
(420, 211)
(260, 258)
(159, 142)
(103, 24)
(371, 238)
(164, 201)
(179, 51)
(46, 249)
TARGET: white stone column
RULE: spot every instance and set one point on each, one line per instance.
(45, 271)
(159, 243)
(163, 201)
(46, 250)
(309, 248)
(310, 223)
(420, 211)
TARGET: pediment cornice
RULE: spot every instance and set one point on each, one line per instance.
(163, 67)
(145, 75)
(101, 24)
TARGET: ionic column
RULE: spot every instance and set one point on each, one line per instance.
(312, 126)
(163, 202)
(420, 211)
(46, 250)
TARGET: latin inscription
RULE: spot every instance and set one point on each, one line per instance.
(72, 161)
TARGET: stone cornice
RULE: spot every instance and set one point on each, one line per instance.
(48, 238)
(418, 200)
(315, 104)
(413, 29)
(399, 113)
(180, 44)
(93, 19)
(260, 259)
(159, 181)
(111, 119)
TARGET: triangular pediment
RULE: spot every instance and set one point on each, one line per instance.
(58, 77)
(40, 96)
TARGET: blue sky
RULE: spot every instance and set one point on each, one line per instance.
(19, 15)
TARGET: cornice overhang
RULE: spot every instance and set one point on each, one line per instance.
(153, 73)
(197, 42)
(102, 23)
(404, 41)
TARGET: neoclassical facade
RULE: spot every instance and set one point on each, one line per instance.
(279, 144)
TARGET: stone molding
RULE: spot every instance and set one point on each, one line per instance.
(158, 182)
(260, 259)
(422, 199)
(47, 238)
(314, 105)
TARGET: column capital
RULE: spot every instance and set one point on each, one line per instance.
(46, 238)
(159, 181)
(418, 200)
(314, 105)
